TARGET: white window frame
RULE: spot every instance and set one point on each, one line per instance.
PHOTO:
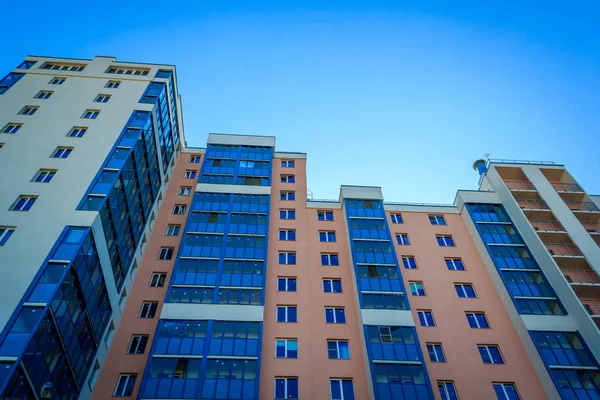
(90, 114)
(462, 288)
(287, 308)
(337, 348)
(155, 279)
(454, 264)
(164, 252)
(474, 314)
(195, 157)
(112, 84)
(286, 279)
(62, 150)
(127, 377)
(148, 305)
(29, 199)
(437, 356)
(325, 213)
(173, 230)
(44, 94)
(288, 163)
(287, 257)
(12, 128)
(45, 174)
(287, 214)
(5, 233)
(285, 178)
(400, 239)
(189, 174)
(286, 194)
(184, 191)
(331, 280)
(447, 383)
(487, 350)
(386, 334)
(503, 385)
(339, 382)
(434, 219)
(445, 240)
(286, 234)
(286, 379)
(335, 321)
(286, 343)
(425, 319)
(408, 258)
(77, 131)
(329, 235)
(136, 347)
(328, 255)
(396, 218)
(416, 284)
(179, 209)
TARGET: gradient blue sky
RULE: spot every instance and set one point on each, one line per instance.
(399, 94)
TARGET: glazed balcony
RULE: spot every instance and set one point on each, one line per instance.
(519, 186)
(564, 250)
(547, 226)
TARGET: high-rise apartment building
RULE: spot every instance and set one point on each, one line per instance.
(137, 267)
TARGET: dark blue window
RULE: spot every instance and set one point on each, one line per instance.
(577, 384)
(563, 348)
(229, 379)
(499, 234)
(287, 258)
(397, 219)
(327, 236)
(402, 239)
(335, 315)
(286, 348)
(287, 234)
(506, 391)
(286, 284)
(392, 343)
(465, 290)
(330, 259)
(436, 354)
(287, 214)
(409, 262)
(26, 64)
(286, 195)
(399, 381)
(437, 220)
(455, 264)
(490, 354)
(445, 241)
(447, 390)
(5, 234)
(287, 314)
(341, 389)
(325, 215)
(477, 320)
(390, 301)
(527, 284)
(286, 388)
(426, 318)
(332, 285)
(9, 80)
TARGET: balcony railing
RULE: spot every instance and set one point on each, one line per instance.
(548, 226)
(532, 204)
(564, 250)
(582, 276)
(592, 306)
(519, 185)
(591, 227)
(582, 206)
(567, 187)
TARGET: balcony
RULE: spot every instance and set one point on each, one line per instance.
(585, 282)
(593, 228)
(532, 204)
(519, 186)
(564, 250)
(582, 206)
(567, 187)
(592, 306)
(547, 226)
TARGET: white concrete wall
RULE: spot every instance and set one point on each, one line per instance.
(221, 312)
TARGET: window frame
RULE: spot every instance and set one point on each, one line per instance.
(284, 195)
(422, 289)
(181, 207)
(28, 110)
(77, 132)
(453, 261)
(287, 280)
(331, 285)
(329, 258)
(168, 253)
(288, 164)
(62, 150)
(445, 385)
(335, 318)
(149, 305)
(424, 313)
(475, 319)
(288, 255)
(102, 98)
(112, 84)
(289, 235)
(289, 213)
(46, 175)
(462, 286)
(287, 313)
(341, 381)
(90, 114)
(12, 127)
(286, 350)
(127, 377)
(173, 230)
(286, 379)
(158, 280)
(29, 202)
(439, 358)
(58, 80)
(406, 262)
(190, 174)
(487, 348)
(325, 214)
(445, 239)
(140, 343)
(400, 239)
(44, 94)
(339, 355)
(184, 191)
(5, 233)
(328, 236)
(396, 218)
(288, 178)
(503, 385)
(434, 219)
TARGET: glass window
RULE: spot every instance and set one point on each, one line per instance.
(332, 285)
(490, 354)
(329, 259)
(166, 253)
(288, 178)
(11, 127)
(137, 344)
(417, 288)
(287, 214)
(447, 390)
(445, 241)
(477, 320)
(91, 114)
(409, 262)
(287, 314)
(125, 385)
(326, 236)
(286, 284)
(148, 309)
(44, 175)
(465, 290)
(286, 388)
(506, 391)
(436, 353)
(338, 349)
(437, 220)
(77, 132)
(287, 195)
(426, 318)
(287, 258)
(455, 264)
(286, 348)
(28, 110)
(402, 239)
(325, 215)
(62, 152)
(158, 279)
(173, 230)
(335, 315)
(43, 94)
(24, 203)
(341, 389)
(287, 234)
(112, 84)
(102, 98)
(5, 234)
(396, 218)
(287, 163)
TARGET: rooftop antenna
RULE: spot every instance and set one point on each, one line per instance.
(487, 156)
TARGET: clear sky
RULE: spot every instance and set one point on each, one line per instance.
(399, 94)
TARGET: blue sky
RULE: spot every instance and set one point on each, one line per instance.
(399, 94)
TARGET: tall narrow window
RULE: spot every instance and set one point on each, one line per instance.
(125, 385)
(447, 390)
(396, 218)
(148, 309)
(402, 239)
(436, 353)
(158, 279)
(137, 344)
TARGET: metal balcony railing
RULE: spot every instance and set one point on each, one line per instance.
(567, 187)
(581, 276)
(548, 226)
(591, 227)
(581, 206)
(592, 306)
(519, 185)
(532, 204)
(563, 250)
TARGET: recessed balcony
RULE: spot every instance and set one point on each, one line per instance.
(592, 306)
(519, 186)
(585, 282)
(560, 250)
(582, 206)
(547, 226)
(532, 205)
(562, 187)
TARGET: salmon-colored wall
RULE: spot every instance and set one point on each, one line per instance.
(312, 367)
(118, 361)
(472, 378)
